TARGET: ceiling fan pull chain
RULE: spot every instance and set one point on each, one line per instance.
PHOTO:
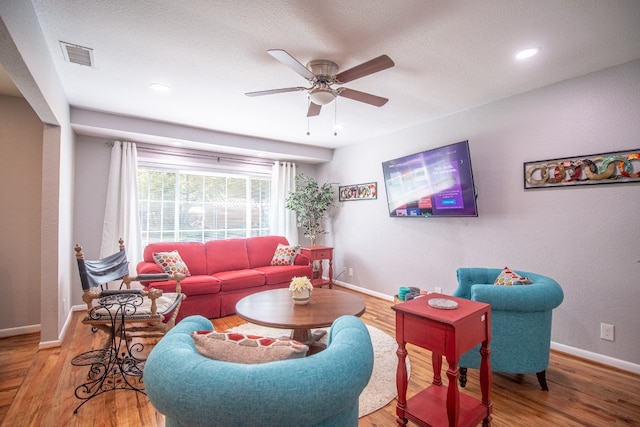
(308, 105)
(335, 117)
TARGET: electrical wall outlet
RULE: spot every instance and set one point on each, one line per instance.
(438, 290)
(607, 331)
(350, 271)
(344, 270)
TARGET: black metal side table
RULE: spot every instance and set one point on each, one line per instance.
(116, 366)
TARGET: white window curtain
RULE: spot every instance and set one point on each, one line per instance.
(282, 220)
(121, 217)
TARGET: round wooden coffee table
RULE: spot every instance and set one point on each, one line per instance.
(276, 309)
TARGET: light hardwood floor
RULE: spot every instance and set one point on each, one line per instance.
(37, 387)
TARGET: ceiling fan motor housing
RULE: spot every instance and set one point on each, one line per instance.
(325, 72)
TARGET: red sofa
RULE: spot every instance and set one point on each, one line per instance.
(223, 272)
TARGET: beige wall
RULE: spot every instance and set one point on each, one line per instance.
(20, 192)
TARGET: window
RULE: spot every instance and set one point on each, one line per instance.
(197, 206)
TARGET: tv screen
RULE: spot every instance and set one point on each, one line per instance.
(437, 182)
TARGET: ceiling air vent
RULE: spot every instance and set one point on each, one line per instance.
(78, 54)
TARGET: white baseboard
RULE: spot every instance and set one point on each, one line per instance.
(364, 290)
(21, 330)
(63, 332)
(65, 328)
(595, 357)
(583, 354)
(49, 344)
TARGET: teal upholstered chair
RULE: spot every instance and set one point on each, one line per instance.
(318, 390)
(520, 321)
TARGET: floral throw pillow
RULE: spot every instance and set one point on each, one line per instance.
(243, 348)
(508, 277)
(284, 255)
(171, 263)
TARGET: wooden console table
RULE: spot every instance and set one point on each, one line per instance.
(319, 253)
(450, 333)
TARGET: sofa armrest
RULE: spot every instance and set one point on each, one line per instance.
(146, 267)
(301, 259)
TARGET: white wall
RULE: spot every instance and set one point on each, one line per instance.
(587, 238)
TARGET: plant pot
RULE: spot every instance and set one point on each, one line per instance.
(301, 297)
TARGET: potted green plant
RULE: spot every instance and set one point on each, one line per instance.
(310, 201)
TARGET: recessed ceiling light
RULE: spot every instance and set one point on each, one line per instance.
(177, 143)
(160, 87)
(527, 53)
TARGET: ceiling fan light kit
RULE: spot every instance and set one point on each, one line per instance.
(322, 74)
(321, 96)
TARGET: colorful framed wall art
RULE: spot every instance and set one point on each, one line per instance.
(616, 167)
(368, 191)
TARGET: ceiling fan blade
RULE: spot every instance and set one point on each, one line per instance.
(272, 91)
(314, 109)
(367, 98)
(380, 63)
(288, 60)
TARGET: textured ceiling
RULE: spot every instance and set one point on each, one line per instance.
(449, 56)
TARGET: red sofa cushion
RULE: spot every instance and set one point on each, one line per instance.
(198, 285)
(192, 253)
(276, 274)
(239, 279)
(226, 255)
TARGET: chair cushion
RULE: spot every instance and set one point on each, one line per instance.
(284, 255)
(164, 305)
(241, 348)
(171, 263)
(508, 277)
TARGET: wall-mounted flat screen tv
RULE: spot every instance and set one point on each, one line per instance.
(433, 183)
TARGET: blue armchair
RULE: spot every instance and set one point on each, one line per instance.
(318, 390)
(520, 321)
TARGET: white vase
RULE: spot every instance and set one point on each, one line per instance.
(301, 296)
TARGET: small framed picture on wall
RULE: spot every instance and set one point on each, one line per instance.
(367, 191)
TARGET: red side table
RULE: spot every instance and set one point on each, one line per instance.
(319, 253)
(450, 333)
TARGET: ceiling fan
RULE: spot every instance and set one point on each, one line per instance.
(323, 74)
